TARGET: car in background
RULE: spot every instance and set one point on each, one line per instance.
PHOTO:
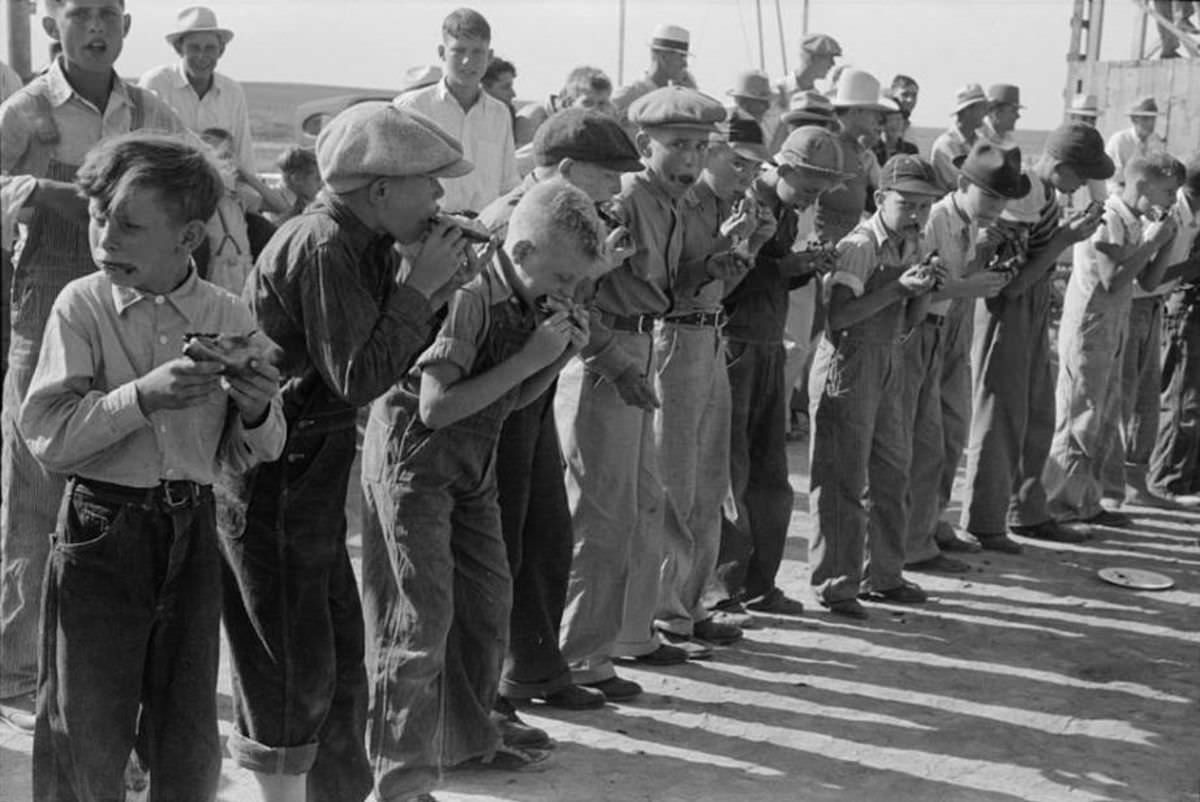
(314, 115)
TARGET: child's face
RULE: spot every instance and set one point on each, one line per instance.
(729, 174)
(201, 52)
(800, 188)
(222, 148)
(597, 182)
(893, 126)
(596, 100)
(464, 59)
(676, 156)
(139, 243)
(91, 32)
(1143, 126)
(903, 212)
(502, 88)
(980, 205)
(549, 269)
(408, 205)
(304, 184)
(1156, 191)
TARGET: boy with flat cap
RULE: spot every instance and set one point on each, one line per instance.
(937, 367)
(351, 316)
(1012, 411)
(590, 151)
(877, 294)
(605, 402)
(722, 230)
(754, 528)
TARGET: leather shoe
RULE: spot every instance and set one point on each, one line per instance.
(616, 689)
(718, 632)
(664, 655)
(849, 608)
(692, 649)
(940, 564)
(575, 697)
(1002, 543)
(1050, 530)
(950, 539)
(776, 602)
(904, 593)
(1110, 518)
(515, 732)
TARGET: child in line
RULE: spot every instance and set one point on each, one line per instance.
(1092, 334)
(754, 529)
(131, 611)
(937, 367)
(877, 294)
(443, 593)
(301, 178)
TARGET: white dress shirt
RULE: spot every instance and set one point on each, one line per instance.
(223, 106)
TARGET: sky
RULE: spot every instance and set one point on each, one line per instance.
(369, 43)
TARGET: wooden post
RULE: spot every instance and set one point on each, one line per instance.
(1095, 29)
(621, 44)
(782, 39)
(19, 55)
(1138, 51)
(804, 20)
(1073, 52)
(762, 55)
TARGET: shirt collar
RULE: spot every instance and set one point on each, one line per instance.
(185, 298)
(1128, 216)
(59, 89)
(353, 228)
(886, 238)
(499, 277)
(654, 186)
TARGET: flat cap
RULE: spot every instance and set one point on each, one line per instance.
(814, 150)
(820, 44)
(677, 107)
(585, 136)
(375, 139)
(909, 174)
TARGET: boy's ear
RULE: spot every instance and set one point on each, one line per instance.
(192, 234)
(879, 197)
(520, 250)
(642, 140)
(565, 166)
(441, 52)
(128, 24)
(50, 26)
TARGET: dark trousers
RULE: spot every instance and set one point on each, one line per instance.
(295, 620)
(536, 523)
(1175, 461)
(130, 639)
(754, 531)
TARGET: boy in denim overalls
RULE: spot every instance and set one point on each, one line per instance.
(861, 450)
(441, 601)
(45, 130)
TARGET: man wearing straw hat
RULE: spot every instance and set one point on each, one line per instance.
(970, 106)
(669, 51)
(201, 96)
(1004, 109)
(1084, 109)
(752, 99)
(1137, 140)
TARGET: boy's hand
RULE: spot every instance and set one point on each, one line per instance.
(178, 384)
(438, 259)
(618, 246)
(741, 222)
(1159, 233)
(726, 266)
(253, 393)
(988, 241)
(1079, 227)
(550, 338)
(988, 283)
(917, 280)
(636, 391)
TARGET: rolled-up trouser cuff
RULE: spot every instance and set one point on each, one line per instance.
(525, 689)
(263, 759)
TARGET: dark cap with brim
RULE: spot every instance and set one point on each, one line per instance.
(588, 136)
(744, 137)
(910, 175)
(1082, 148)
(997, 170)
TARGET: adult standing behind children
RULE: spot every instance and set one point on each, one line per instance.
(1139, 139)
(1004, 109)
(45, 130)
(479, 121)
(818, 53)
(1012, 411)
(668, 65)
(201, 96)
(858, 107)
(350, 316)
(585, 87)
(970, 107)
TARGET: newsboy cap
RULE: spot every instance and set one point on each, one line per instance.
(375, 139)
(585, 136)
(677, 107)
(821, 44)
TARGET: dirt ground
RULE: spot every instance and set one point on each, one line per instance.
(1026, 680)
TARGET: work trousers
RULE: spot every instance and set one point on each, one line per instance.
(691, 430)
(1141, 380)
(1175, 460)
(615, 493)
(1012, 412)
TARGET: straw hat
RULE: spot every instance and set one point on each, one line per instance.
(671, 38)
(967, 97)
(197, 19)
(1146, 107)
(752, 84)
(1085, 106)
(858, 89)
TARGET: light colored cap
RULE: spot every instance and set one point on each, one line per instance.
(419, 77)
(821, 44)
(671, 38)
(375, 139)
(1146, 107)
(814, 150)
(967, 97)
(752, 84)
(808, 105)
(858, 89)
(197, 19)
(677, 107)
(1010, 94)
(1085, 106)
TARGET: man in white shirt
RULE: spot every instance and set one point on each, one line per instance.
(479, 121)
(1137, 140)
(201, 96)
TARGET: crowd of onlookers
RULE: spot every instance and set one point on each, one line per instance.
(585, 331)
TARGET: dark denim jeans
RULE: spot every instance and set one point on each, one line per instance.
(537, 532)
(437, 594)
(131, 616)
(754, 534)
(1175, 461)
(294, 617)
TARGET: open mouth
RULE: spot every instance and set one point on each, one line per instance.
(117, 268)
(97, 48)
(685, 179)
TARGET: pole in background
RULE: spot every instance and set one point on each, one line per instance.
(804, 22)
(621, 46)
(782, 39)
(19, 56)
(762, 56)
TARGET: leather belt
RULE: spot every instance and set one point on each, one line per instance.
(166, 495)
(714, 319)
(638, 324)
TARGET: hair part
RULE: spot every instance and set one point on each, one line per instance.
(185, 178)
(1154, 167)
(554, 211)
(466, 23)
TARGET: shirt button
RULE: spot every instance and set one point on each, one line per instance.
(162, 340)
(160, 300)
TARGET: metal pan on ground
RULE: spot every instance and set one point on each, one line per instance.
(1136, 579)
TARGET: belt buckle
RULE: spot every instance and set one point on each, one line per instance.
(178, 502)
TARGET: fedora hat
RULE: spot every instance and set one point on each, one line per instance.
(419, 77)
(998, 94)
(996, 169)
(808, 105)
(753, 84)
(197, 19)
(671, 38)
(1146, 107)
(1085, 106)
(858, 89)
(968, 96)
